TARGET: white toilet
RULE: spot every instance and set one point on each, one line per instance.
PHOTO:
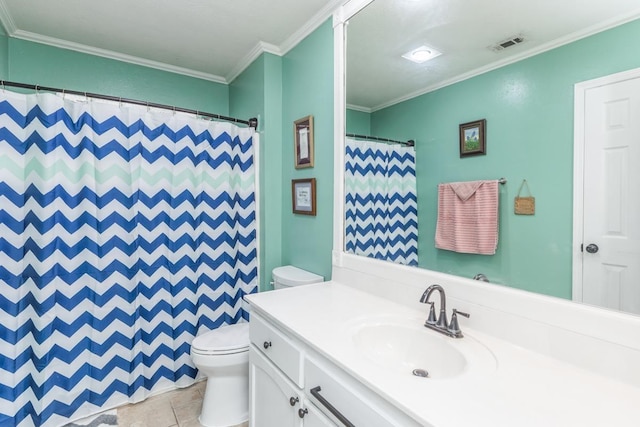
(223, 356)
(288, 276)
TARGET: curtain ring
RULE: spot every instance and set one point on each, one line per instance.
(37, 90)
(2, 85)
(86, 98)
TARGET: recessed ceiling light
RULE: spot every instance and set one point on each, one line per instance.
(421, 54)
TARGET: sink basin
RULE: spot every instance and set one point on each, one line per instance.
(404, 346)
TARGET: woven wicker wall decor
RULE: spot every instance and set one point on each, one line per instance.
(524, 205)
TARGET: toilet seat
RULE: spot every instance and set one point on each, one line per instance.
(218, 353)
(229, 339)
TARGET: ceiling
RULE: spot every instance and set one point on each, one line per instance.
(463, 30)
(210, 39)
(217, 39)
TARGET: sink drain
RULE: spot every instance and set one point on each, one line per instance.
(420, 373)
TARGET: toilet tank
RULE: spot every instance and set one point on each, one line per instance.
(288, 275)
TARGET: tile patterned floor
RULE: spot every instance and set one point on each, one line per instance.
(178, 408)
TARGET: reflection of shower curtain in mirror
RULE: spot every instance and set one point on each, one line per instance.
(381, 204)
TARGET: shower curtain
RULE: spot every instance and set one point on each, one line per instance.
(124, 233)
(381, 203)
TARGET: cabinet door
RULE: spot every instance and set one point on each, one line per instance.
(313, 417)
(271, 395)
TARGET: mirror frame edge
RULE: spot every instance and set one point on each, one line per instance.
(340, 20)
(339, 119)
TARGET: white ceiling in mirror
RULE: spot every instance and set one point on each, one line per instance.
(464, 31)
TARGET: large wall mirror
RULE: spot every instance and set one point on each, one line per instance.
(515, 65)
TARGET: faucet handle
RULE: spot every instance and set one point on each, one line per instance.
(431, 320)
(455, 311)
(454, 327)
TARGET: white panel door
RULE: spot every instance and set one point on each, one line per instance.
(611, 214)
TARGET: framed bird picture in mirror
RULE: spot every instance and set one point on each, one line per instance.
(473, 138)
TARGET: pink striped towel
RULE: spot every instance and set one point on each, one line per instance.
(468, 217)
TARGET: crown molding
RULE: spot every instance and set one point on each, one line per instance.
(570, 38)
(12, 31)
(348, 10)
(6, 19)
(359, 108)
(310, 26)
(261, 47)
(258, 49)
(78, 47)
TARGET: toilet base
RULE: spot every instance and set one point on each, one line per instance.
(226, 398)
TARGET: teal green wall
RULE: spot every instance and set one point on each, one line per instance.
(247, 99)
(358, 122)
(273, 192)
(307, 76)
(45, 65)
(257, 92)
(529, 111)
(4, 57)
(286, 89)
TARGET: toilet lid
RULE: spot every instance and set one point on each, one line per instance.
(229, 339)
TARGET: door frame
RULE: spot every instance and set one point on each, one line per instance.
(580, 90)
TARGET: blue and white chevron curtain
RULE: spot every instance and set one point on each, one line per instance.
(123, 233)
(381, 202)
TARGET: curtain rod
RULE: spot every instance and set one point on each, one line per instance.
(409, 143)
(252, 122)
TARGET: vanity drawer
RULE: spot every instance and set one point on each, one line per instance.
(278, 348)
(335, 392)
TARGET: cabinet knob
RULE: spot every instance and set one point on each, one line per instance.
(302, 412)
(293, 401)
(266, 344)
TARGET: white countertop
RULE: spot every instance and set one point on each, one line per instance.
(525, 389)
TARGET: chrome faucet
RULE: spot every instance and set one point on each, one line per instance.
(441, 325)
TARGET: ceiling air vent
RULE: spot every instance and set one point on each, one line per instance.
(511, 41)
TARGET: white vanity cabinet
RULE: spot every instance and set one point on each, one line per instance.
(294, 385)
(311, 341)
(275, 401)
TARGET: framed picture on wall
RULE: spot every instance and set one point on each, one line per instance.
(303, 196)
(473, 138)
(303, 142)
